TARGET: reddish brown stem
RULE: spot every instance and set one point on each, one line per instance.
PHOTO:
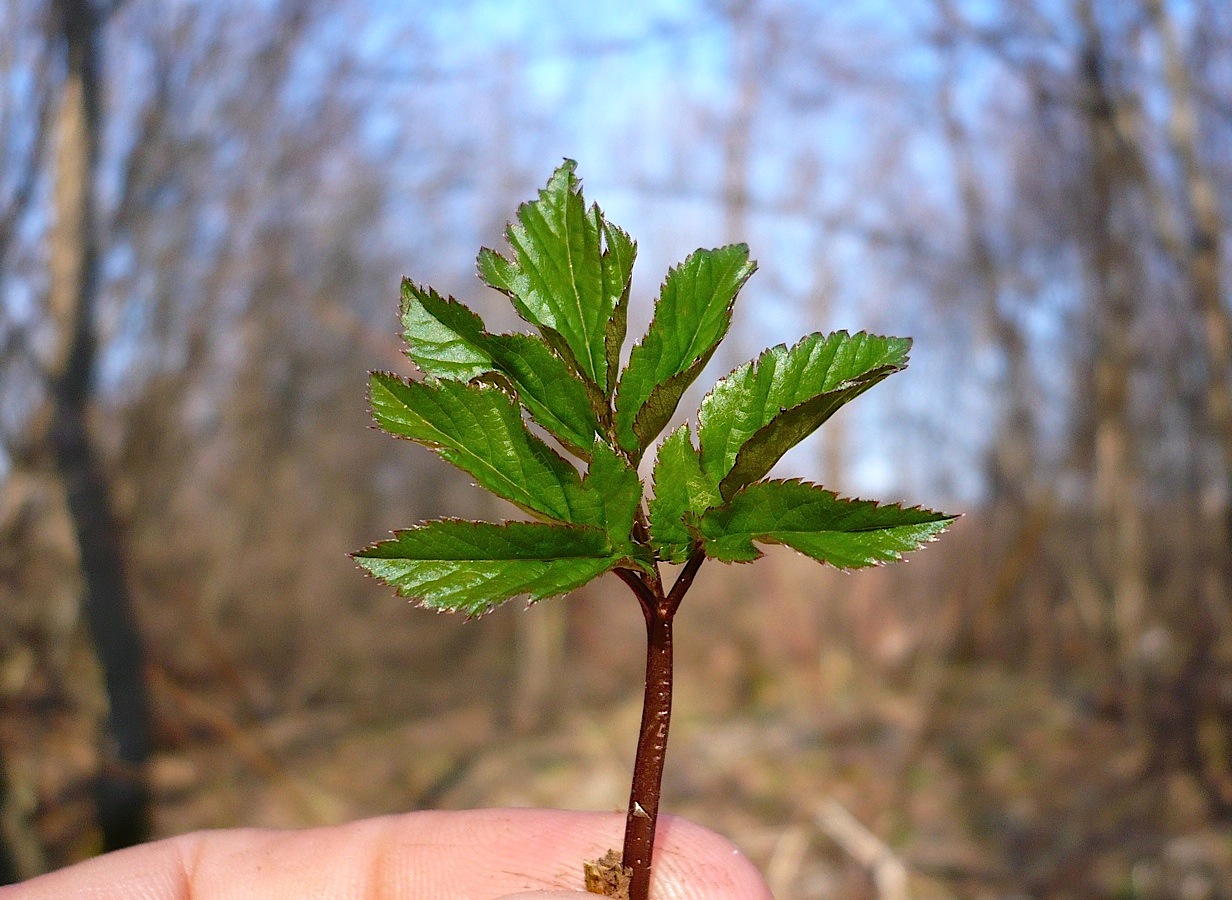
(646, 593)
(684, 580)
(643, 814)
(651, 752)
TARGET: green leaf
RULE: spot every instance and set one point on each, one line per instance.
(569, 273)
(618, 258)
(845, 533)
(447, 340)
(691, 317)
(479, 429)
(441, 335)
(471, 567)
(764, 408)
(681, 489)
(558, 279)
(610, 496)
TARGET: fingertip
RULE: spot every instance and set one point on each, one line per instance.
(691, 861)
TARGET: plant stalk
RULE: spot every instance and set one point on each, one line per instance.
(643, 815)
(651, 752)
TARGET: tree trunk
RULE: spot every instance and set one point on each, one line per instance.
(1208, 723)
(122, 794)
(1011, 462)
(1203, 262)
(1121, 529)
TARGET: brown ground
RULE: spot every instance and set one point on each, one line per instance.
(797, 687)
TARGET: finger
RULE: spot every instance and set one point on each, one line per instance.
(476, 854)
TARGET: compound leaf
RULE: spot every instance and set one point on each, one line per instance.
(479, 429)
(691, 317)
(568, 273)
(681, 489)
(471, 567)
(848, 534)
(557, 279)
(447, 340)
(764, 408)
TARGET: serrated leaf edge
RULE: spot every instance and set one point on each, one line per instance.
(499, 376)
(436, 447)
(693, 523)
(550, 332)
(754, 363)
(698, 361)
(420, 603)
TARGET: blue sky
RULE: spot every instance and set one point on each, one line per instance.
(639, 93)
(642, 94)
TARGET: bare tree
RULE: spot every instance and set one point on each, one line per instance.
(1115, 286)
(21, 150)
(71, 367)
(1203, 256)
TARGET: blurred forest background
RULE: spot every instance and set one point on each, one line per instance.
(205, 208)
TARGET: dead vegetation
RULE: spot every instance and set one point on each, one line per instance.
(816, 713)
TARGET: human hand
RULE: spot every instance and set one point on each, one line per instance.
(481, 854)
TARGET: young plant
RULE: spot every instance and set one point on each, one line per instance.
(568, 275)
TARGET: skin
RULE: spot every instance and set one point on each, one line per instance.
(472, 855)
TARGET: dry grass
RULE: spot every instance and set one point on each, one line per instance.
(986, 774)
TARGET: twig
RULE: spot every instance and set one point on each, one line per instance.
(888, 871)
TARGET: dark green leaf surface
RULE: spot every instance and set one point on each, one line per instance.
(471, 567)
(610, 496)
(479, 429)
(618, 257)
(845, 533)
(558, 279)
(691, 317)
(764, 408)
(447, 340)
(681, 489)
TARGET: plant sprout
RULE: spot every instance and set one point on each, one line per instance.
(568, 274)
